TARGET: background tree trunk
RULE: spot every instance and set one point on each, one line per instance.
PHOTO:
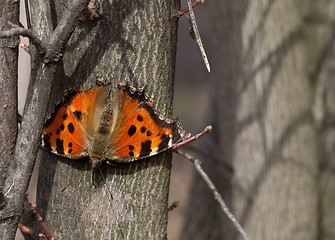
(132, 41)
(273, 116)
(9, 11)
(321, 39)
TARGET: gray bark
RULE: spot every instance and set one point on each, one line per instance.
(268, 60)
(322, 41)
(132, 41)
(9, 11)
(29, 135)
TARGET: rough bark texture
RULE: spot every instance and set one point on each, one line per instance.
(131, 41)
(273, 95)
(9, 11)
(29, 135)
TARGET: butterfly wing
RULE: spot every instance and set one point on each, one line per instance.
(70, 128)
(138, 130)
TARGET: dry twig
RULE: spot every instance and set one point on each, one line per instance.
(40, 219)
(173, 206)
(186, 10)
(21, 31)
(197, 36)
(216, 194)
(29, 134)
(187, 139)
(25, 229)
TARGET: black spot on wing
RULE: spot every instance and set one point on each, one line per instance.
(70, 127)
(140, 118)
(70, 150)
(65, 116)
(78, 115)
(165, 142)
(57, 131)
(46, 137)
(131, 147)
(60, 147)
(131, 154)
(145, 148)
(62, 127)
(46, 142)
(143, 129)
(70, 144)
(131, 130)
(149, 133)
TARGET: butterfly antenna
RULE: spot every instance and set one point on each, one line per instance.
(111, 201)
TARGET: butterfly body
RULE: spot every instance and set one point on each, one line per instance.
(123, 130)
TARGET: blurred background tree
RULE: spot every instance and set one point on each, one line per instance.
(272, 109)
(270, 98)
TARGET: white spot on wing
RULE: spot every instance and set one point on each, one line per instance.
(153, 152)
(170, 141)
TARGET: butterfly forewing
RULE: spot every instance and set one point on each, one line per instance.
(139, 131)
(71, 127)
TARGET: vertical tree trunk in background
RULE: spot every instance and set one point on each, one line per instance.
(322, 59)
(273, 110)
(9, 11)
(132, 41)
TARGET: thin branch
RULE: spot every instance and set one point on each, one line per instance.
(24, 46)
(40, 219)
(173, 206)
(186, 10)
(29, 135)
(20, 31)
(64, 29)
(189, 139)
(25, 229)
(216, 194)
(197, 36)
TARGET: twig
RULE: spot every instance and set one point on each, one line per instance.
(25, 229)
(216, 194)
(197, 36)
(64, 29)
(182, 12)
(41, 235)
(189, 139)
(29, 134)
(20, 31)
(173, 206)
(190, 28)
(24, 46)
(40, 219)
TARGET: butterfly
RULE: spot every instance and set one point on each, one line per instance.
(86, 124)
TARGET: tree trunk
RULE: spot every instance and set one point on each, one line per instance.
(29, 134)
(9, 11)
(265, 56)
(322, 41)
(135, 42)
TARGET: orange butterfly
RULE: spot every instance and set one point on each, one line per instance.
(127, 129)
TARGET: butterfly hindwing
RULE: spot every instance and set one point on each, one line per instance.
(139, 130)
(70, 128)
